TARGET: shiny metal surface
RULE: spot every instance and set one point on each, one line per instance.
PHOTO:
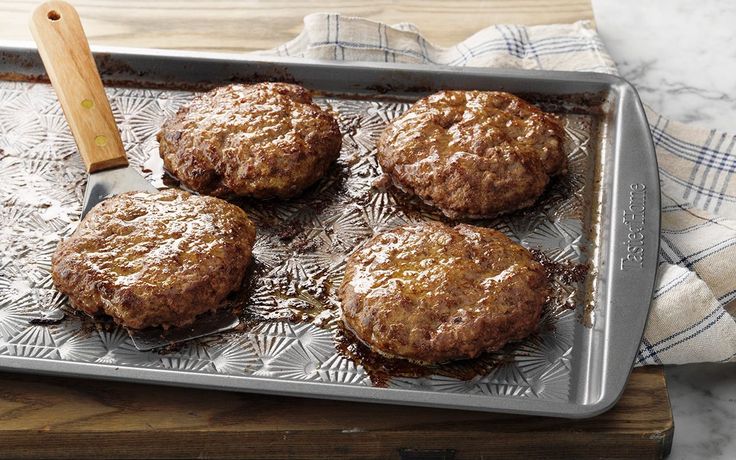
(576, 367)
(212, 323)
(103, 184)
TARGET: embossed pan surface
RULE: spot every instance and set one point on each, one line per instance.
(604, 213)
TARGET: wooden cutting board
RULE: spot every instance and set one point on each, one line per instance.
(54, 417)
(68, 418)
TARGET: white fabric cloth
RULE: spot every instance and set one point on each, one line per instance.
(697, 274)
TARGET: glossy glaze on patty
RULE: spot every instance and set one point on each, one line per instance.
(266, 140)
(155, 259)
(433, 293)
(473, 153)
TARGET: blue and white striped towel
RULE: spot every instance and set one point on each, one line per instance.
(689, 321)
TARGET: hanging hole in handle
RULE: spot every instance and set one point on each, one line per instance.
(53, 15)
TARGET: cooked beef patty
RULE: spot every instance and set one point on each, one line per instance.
(434, 293)
(473, 153)
(267, 140)
(155, 259)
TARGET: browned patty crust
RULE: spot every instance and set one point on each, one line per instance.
(473, 153)
(267, 140)
(433, 293)
(154, 259)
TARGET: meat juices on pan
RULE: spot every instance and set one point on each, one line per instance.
(267, 140)
(433, 293)
(473, 154)
(155, 259)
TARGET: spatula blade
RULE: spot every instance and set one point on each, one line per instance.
(104, 184)
(216, 322)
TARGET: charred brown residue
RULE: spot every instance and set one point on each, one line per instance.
(20, 60)
(47, 321)
(238, 301)
(167, 179)
(565, 272)
(29, 78)
(288, 231)
(291, 299)
(119, 72)
(381, 369)
(415, 84)
(389, 88)
(293, 305)
(275, 74)
(578, 103)
(304, 306)
(109, 65)
(304, 245)
(191, 86)
(117, 82)
(562, 276)
(93, 324)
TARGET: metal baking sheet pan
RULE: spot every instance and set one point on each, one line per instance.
(604, 214)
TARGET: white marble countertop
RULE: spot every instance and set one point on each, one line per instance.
(681, 56)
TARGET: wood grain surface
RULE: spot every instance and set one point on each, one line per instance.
(231, 25)
(68, 418)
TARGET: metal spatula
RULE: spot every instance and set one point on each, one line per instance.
(65, 52)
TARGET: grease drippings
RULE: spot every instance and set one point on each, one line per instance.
(381, 369)
(561, 275)
(566, 272)
(47, 321)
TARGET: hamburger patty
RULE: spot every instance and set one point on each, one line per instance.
(433, 293)
(267, 140)
(154, 259)
(473, 153)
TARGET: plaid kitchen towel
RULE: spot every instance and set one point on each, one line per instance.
(689, 321)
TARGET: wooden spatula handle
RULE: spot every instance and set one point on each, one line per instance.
(65, 53)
